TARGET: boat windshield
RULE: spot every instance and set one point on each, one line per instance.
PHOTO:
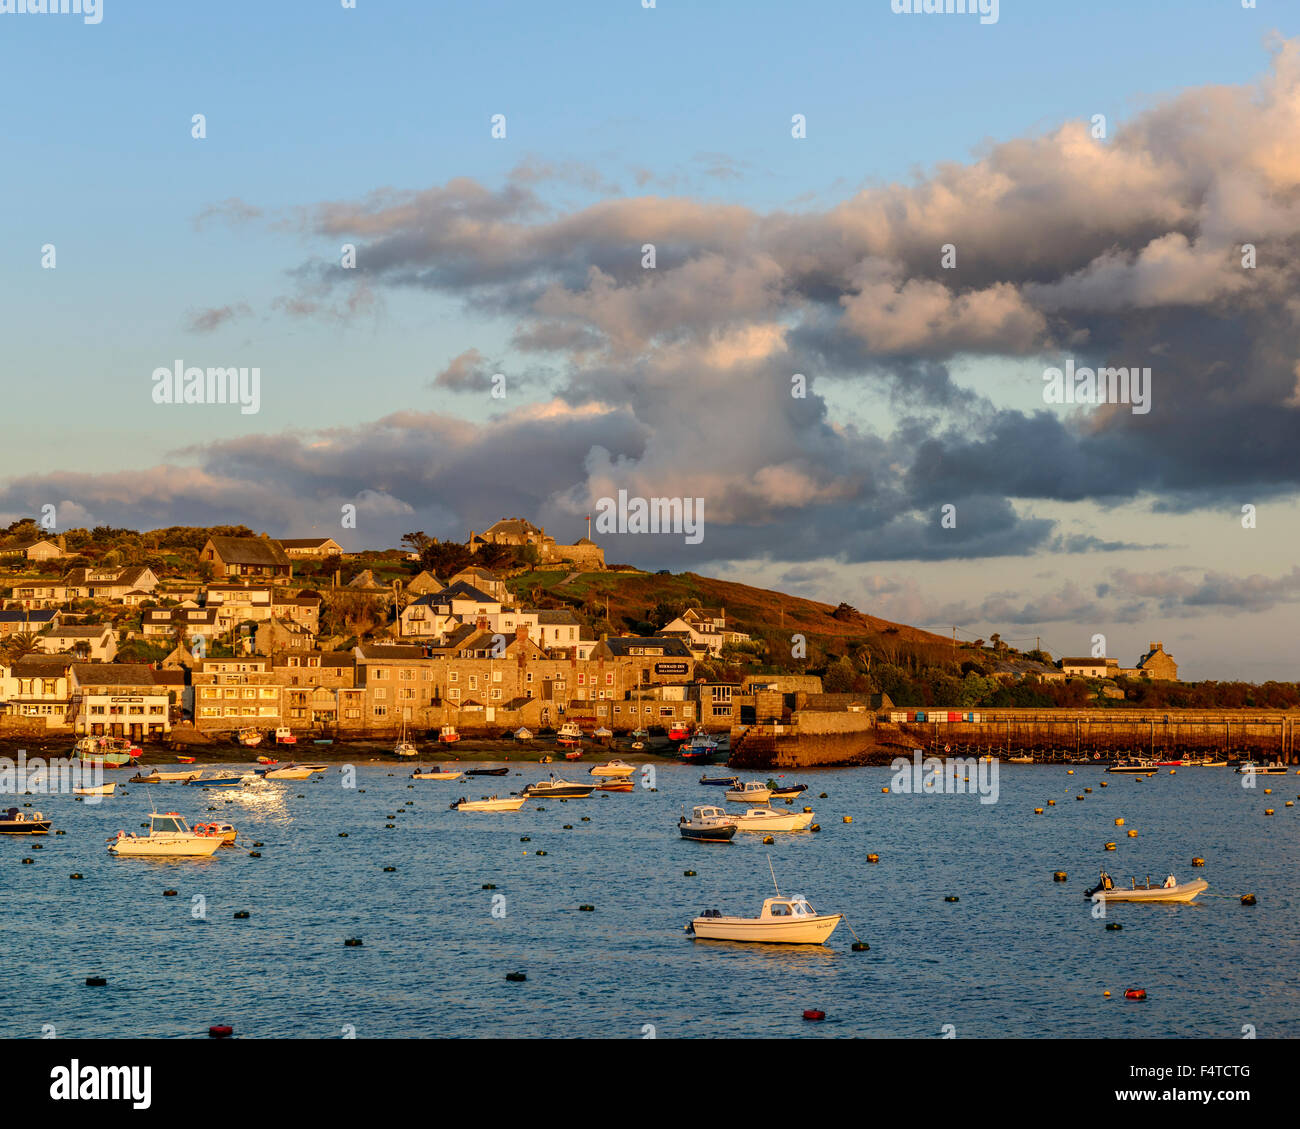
(166, 823)
(780, 909)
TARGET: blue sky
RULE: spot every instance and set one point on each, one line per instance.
(308, 102)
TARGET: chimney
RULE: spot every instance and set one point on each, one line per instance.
(521, 632)
(1152, 646)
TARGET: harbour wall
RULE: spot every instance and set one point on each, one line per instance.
(821, 738)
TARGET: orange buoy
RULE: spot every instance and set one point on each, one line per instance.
(221, 1031)
(813, 1013)
(1135, 994)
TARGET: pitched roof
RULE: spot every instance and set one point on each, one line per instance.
(250, 551)
(516, 526)
(34, 615)
(463, 591)
(560, 616)
(672, 648)
(114, 674)
(303, 542)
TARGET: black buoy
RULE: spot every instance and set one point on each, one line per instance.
(1114, 925)
(254, 854)
(353, 942)
(389, 869)
(169, 893)
(587, 909)
(952, 898)
(95, 982)
(516, 977)
(489, 886)
(1247, 899)
(688, 873)
(241, 914)
(860, 946)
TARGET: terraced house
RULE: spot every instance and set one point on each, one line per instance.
(233, 693)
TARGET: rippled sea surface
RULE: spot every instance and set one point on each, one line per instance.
(1018, 955)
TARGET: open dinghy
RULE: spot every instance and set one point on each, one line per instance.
(1171, 890)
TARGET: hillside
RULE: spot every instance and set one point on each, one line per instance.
(632, 599)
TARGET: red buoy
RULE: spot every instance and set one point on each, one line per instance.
(812, 1013)
(221, 1031)
(1135, 994)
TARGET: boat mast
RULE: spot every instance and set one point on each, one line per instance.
(773, 873)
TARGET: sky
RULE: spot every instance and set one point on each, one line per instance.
(1075, 239)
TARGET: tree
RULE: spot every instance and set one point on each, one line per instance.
(839, 677)
(417, 541)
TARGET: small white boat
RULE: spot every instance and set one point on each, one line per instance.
(96, 790)
(250, 738)
(637, 746)
(707, 824)
(1253, 768)
(522, 734)
(1171, 890)
(435, 774)
(1134, 765)
(169, 835)
(294, 772)
(405, 748)
(783, 921)
(640, 734)
(614, 768)
(570, 734)
(752, 792)
(765, 819)
(1020, 760)
(284, 736)
(491, 803)
(602, 733)
(176, 777)
(447, 734)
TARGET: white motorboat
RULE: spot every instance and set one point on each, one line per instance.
(614, 768)
(707, 824)
(284, 736)
(175, 777)
(435, 774)
(752, 792)
(169, 835)
(294, 771)
(1253, 768)
(766, 819)
(783, 921)
(447, 734)
(96, 789)
(1171, 890)
(569, 735)
(1020, 760)
(491, 803)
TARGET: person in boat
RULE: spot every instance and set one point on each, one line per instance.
(1170, 882)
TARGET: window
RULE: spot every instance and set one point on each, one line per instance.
(454, 676)
(496, 676)
(496, 694)
(454, 695)
(609, 679)
(381, 711)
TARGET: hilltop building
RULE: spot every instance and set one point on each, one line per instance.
(518, 532)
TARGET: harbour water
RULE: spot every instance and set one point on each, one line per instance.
(1018, 955)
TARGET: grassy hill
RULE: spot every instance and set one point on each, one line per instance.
(774, 617)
